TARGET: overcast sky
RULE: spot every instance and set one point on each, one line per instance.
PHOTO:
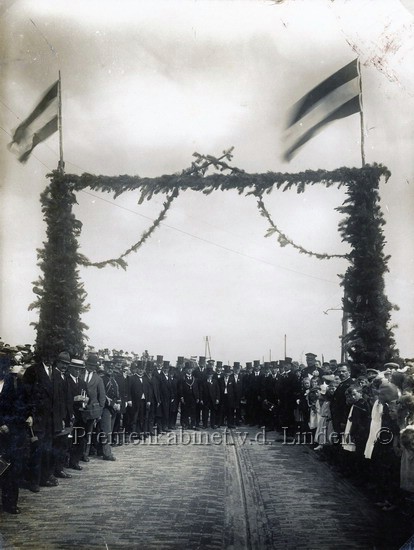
(147, 83)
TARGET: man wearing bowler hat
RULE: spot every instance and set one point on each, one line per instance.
(111, 407)
(77, 399)
(60, 421)
(93, 410)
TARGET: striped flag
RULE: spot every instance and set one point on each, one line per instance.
(336, 97)
(38, 126)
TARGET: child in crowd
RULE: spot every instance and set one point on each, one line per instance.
(313, 399)
(325, 426)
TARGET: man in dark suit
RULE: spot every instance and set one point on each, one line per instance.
(180, 366)
(339, 406)
(265, 390)
(227, 398)
(153, 412)
(61, 426)
(111, 407)
(140, 391)
(288, 389)
(156, 372)
(189, 397)
(39, 386)
(165, 392)
(77, 398)
(121, 381)
(211, 399)
(15, 417)
(238, 392)
(246, 408)
(126, 409)
(253, 394)
(172, 416)
(273, 395)
(97, 397)
(199, 374)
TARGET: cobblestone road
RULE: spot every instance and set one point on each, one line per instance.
(233, 493)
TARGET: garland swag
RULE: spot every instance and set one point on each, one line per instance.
(61, 297)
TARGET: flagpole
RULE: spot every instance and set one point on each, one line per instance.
(361, 115)
(61, 164)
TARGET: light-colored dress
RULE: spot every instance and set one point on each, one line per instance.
(347, 443)
(325, 427)
(315, 413)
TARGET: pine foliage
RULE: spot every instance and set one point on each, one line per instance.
(60, 293)
(370, 340)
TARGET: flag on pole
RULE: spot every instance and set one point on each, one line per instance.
(336, 97)
(38, 126)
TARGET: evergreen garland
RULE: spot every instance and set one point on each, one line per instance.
(207, 183)
(120, 262)
(60, 294)
(371, 339)
(284, 240)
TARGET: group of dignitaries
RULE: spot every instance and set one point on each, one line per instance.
(55, 414)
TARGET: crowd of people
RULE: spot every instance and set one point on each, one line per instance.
(57, 412)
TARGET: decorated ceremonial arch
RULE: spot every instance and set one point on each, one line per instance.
(61, 297)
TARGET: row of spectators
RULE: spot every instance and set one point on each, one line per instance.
(55, 414)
